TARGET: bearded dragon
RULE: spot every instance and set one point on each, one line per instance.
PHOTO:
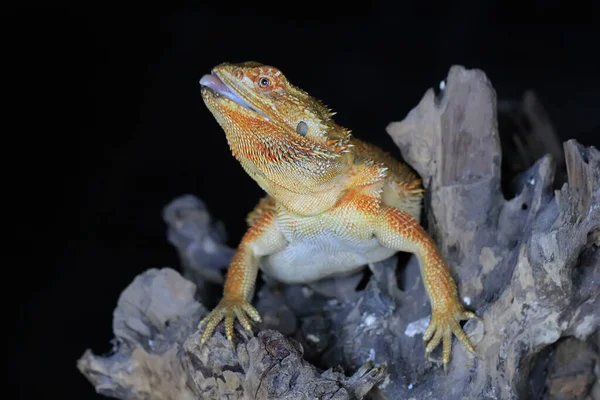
(334, 203)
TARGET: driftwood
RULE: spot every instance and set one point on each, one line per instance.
(529, 266)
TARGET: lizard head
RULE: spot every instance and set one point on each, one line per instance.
(284, 138)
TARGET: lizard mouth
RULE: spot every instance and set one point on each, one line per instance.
(216, 84)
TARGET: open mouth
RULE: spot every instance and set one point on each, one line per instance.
(215, 83)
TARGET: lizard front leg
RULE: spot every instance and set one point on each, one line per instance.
(262, 238)
(400, 231)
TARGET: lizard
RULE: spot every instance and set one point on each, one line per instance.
(333, 204)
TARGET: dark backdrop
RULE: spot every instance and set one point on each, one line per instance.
(110, 127)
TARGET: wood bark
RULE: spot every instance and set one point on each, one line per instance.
(527, 263)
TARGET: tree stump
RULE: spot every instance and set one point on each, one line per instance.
(529, 266)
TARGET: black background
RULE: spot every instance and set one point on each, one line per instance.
(107, 126)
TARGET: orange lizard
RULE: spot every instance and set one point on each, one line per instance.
(334, 203)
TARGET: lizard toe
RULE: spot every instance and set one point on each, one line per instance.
(228, 310)
(442, 327)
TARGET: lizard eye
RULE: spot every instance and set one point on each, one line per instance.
(302, 128)
(264, 82)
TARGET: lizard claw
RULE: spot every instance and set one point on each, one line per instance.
(229, 309)
(444, 323)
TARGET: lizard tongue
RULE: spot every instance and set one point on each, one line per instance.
(213, 82)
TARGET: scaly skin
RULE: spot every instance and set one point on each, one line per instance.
(334, 203)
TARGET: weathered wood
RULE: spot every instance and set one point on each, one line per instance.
(516, 260)
(157, 354)
(529, 266)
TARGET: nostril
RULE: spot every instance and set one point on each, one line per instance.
(238, 74)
